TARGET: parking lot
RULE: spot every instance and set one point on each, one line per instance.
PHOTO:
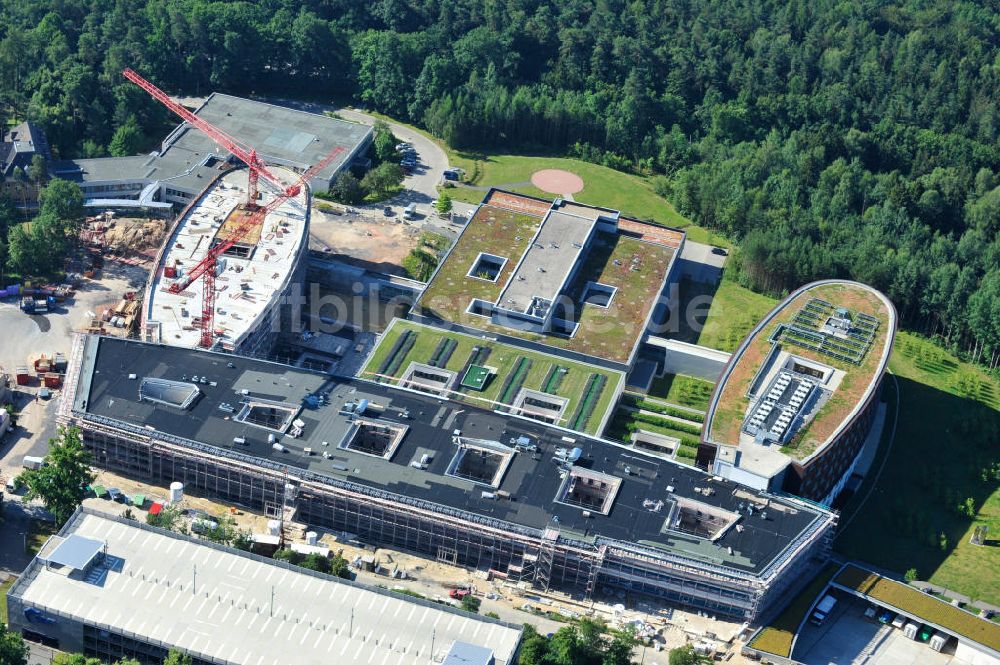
(50, 333)
(847, 635)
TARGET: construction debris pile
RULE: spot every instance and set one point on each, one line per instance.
(46, 370)
(123, 235)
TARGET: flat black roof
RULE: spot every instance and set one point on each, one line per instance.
(532, 479)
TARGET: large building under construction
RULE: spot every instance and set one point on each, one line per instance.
(252, 277)
(468, 486)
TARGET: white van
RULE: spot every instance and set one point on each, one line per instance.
(822, 610)
(33, 463)
(410, 212)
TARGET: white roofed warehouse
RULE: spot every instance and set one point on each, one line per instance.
(113, 588)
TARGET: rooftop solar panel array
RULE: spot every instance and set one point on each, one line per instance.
(808, 330)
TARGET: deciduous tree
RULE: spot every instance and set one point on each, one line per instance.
(61, 483)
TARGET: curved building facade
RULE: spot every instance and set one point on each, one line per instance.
(254, 277)
(797, 400)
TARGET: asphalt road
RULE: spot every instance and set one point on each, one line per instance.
(422, 185)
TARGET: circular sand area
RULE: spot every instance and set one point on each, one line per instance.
(557, 181)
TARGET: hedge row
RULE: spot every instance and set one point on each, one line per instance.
(399, 350)
(554, 379)
(591, 393)
(442, 354)
(664, 422)
(515, 380)
(665, 409)
(631, 427)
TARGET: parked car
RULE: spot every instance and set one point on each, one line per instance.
(387, 211)
(116, 494)
(458, 594)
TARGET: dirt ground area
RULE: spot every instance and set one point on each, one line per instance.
(432, 579)
(125, 234)
(377, 243)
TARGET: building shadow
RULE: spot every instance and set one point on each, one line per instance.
(940, 472)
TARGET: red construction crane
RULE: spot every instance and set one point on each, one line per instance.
(242, 151)
(206, 268)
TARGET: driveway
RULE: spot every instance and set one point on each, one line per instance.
(431, 159)
(702, 263)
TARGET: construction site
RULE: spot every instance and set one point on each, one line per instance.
(509, 496)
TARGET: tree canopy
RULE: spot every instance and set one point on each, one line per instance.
(61, 483)
(830, 138)
(583, 643)
(13, 650)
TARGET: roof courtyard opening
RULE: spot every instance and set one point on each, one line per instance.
(589, 490)
(374, 438)
(274, 416)
(539, 405)
(487, 266)
(179, 394)
(481, 461)
(699, 519)
(599, 295)
(427, 378)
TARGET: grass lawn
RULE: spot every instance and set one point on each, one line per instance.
(503, 358)
(38, 532)
(942, 468)
(4, 588)
(734, 312)
(684, 390)
(631, 194)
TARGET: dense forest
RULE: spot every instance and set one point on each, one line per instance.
(829, 138)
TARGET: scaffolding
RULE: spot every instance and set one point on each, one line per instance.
(595, 571)
(545, 558)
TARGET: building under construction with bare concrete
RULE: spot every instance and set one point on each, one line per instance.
(465, 485)
(252, 276)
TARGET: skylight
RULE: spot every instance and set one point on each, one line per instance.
(179, 394)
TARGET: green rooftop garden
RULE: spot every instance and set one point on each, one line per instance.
(589, 390)
(634, 267)
(926, 607)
